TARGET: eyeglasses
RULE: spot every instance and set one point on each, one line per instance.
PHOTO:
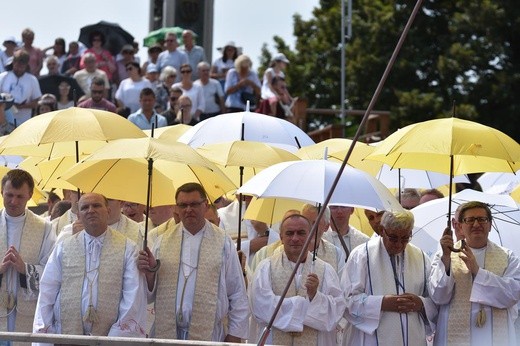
(396, 239)
(129, 68)
(186, 71)
(471, 220)
(128, 52)
(172, 76)
(96, 91)
(130, 205)
(191, 205)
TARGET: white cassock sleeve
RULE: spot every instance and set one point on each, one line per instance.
(322, 313)
(498, 291)
(440, 284)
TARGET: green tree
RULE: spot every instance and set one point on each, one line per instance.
(461, 52)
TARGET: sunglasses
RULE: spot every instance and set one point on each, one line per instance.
(186, 71)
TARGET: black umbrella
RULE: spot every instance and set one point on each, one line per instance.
(115, 36)
(49, 84)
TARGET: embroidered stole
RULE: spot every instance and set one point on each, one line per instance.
(109, 282)
(33, 232)
(63, 221)
(204, 309)
(459, 328)
(130, 229)
(280, 271)
(382, 282)
(356, 238)
(327, 252)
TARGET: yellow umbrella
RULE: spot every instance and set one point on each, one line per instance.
(78, 130)
(121, 168)
(251, 156)
(47, 171)
(516, 194)
(450, 146)
(172, 132)
(270, 210)
(337, 150)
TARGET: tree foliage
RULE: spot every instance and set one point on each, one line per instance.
(462, 52)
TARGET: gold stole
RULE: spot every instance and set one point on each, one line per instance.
(280, 271)
(327, 252)
(204, 309)
(130, 229)
(109, 282)
(382, 282)
(33, 233)
(63, 221)
(459, 327)
(356, 238)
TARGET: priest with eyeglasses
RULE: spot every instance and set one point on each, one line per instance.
(477, 285)
(385, 282)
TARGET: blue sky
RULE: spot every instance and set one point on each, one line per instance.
(249, 23)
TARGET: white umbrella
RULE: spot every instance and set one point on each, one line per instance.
(499, 183)
(431, 217)
(245, 126)
(415, 178)
(311, 180)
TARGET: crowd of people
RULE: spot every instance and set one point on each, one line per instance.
(74, 76)
(82, 269)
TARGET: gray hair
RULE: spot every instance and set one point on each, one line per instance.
(311, 207)
(202, 64)
(167, 71)
(394, 220)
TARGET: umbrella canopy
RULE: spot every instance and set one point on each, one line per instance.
(270, 210)
(157, 36)
(120, 170)
(245, 126)
(310, 181)
(46, 172)
(431, 145)
(50, 85)
(55, 134)
(431, 216)
(415, 178)
(172, 132)
(115, 36)
(499, 183)
(337, 150)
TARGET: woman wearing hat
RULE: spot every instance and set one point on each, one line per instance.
(6, 56)
(277, 66)
(226, 62)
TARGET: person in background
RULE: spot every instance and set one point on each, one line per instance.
(35, 54)
(58, 50)
(194, 52)
(6, 56)
(153, 55)
(409, 198)
(212, 91)
(46, 104)
(24, 88)
(172, 56)
(53, 65)
(173, 107)
(64, 101)
(127, 56)
(129, 90)
(276, 69)
(430, 194)
(52, 199)
(85, 76)
(242, 85)
(59, 209)
(134, 211)
(104, 60)
(152, 74)
(192, 90)
(146, 117)
(374, 219)
(226, 62)
(184, 113)
(166, 79)
(71, 63)
(97, 101)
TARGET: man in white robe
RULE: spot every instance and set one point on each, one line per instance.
(97, 269)
(478, 288)
(194, 294)
(26, 241)
(340, 218)
(385, 284)
(314, 303)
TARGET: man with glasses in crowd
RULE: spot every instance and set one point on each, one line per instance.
(477, 286)
(171, 113)
(85, 76)
(97, 100)
(385, 282)
(198, 282)
(172, 56)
